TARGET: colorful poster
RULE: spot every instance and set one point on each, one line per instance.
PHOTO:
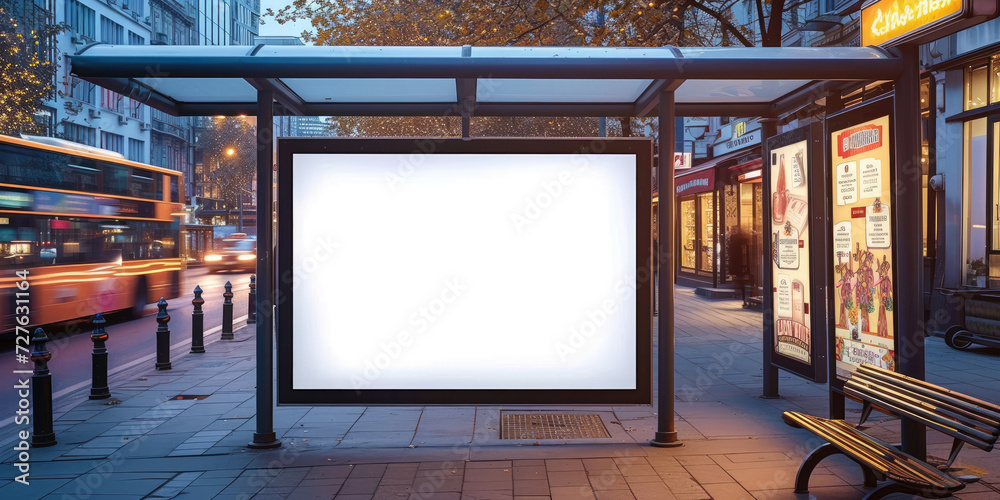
(789, 230)
(861, 215)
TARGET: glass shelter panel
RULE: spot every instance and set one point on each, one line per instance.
(975, 202)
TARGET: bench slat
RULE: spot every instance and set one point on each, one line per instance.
(873, 453)
(938, 417)
(952, 431)
(936, 391)
(978, 414)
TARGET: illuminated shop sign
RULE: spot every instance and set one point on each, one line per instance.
(893, 22)
(700, 182)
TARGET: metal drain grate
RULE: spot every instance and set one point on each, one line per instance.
(551, 426)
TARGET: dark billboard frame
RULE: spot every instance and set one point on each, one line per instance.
(881, 107)
(816, 371)
(642, 148)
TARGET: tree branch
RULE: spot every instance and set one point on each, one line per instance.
(723, 21)
(760, 18)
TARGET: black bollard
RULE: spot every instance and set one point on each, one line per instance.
(99, 387)
(162, 337)
(41, 392)
(252, 304)
(227, 313)
(197, 323)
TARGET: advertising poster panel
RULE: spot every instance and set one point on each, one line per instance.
(487, 272)
(861, 243)
(794, 330)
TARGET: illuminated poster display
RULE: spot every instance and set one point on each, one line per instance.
(794, 333)
(861, 245)
(790, 262)
(489, 271)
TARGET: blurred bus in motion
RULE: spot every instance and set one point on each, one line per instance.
(96, 232)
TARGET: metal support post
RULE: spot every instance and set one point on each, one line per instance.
(264, 437)
(227, 313)
(909, 244)
(666, 434)
(252, 301)
(769, 129)
(41, 392)
(197, 323)
(99, 386)
(162, 336)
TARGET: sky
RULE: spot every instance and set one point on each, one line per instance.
(272, 28)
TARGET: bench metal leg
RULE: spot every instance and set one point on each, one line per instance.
(810, 463)
(871, 479)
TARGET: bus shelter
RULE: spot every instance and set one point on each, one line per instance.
(529, 81)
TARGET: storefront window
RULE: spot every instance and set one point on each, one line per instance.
(975, 202)
(731, 202)
(976, 87)
(689, 225)
(925, 124)
(995, 191)
(995, 84)
(707, 228)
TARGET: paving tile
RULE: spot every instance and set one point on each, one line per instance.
(368, 470)
(570, 493)
(489, 474)
(499, 486)
(359, 486)
(614, 495)
(308, 492)
(564, 465)
(652, 491)
(707, 474)
(392, 492)
(608, 480)
(529, 472)
(491, 464)
(527, 463)
(328, 472)
(486, 495)
(568, 478)
(599, 464)
(636, 469)
(531, 487)
(728, 491)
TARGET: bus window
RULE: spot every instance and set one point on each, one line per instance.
(174, 194)
(142, 184)
(115, 179)
(82, 175)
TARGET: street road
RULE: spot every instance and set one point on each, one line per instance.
(127, 340)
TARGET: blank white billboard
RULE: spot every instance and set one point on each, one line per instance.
(474, 272)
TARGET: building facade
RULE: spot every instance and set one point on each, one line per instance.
(89, 114)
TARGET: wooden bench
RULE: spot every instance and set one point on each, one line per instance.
(980, 320)
(964, 418)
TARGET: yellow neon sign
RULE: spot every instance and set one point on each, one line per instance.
(886, 20)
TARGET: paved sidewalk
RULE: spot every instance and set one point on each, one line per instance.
(152, 445)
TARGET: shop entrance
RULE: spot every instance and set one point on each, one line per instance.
(993, 169)
(751, 220)
(698, 234)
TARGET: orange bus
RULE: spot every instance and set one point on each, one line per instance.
(82, 231)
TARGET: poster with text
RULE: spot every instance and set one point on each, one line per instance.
(862, 221)
(789, 236)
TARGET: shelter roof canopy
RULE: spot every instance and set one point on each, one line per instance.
(485, 81)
